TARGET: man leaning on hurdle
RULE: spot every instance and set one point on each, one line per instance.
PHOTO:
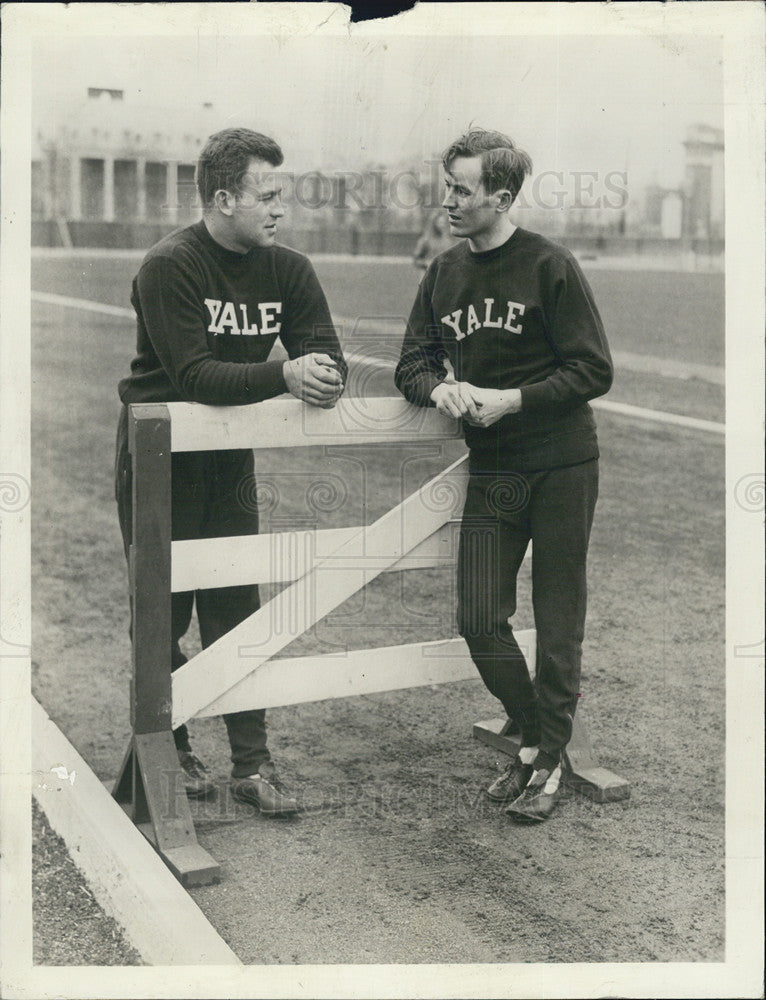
(210, 300)
(513, 315)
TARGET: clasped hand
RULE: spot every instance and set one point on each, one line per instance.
(315, 379)
(477, 406)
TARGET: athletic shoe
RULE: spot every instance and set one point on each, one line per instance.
(538, 799)
(511, 782)
(196, 782)
(264, 790)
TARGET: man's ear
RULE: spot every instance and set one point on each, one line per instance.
(504, 199)
(224, 201)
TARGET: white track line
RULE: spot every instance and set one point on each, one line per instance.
(85, 304)
(126, 875)
(659, 416)
(77, 253)
(649, 364)
(673, 265)
(624, 409)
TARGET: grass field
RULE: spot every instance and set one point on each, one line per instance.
(671, 314)
(415, 862)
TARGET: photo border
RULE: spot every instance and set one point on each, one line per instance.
(741, 25)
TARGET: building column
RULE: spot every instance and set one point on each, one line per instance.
(141, 187)
(75, 192)
(109, 189)
(171, 190)
(47, 183)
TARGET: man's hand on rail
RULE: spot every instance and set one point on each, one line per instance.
(455, 399)
(315, 379)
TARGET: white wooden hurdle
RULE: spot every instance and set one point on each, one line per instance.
(322, 567)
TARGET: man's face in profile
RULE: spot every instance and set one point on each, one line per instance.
(258, 206)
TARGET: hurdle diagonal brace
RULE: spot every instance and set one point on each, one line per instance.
(149, 785)
(329, 582)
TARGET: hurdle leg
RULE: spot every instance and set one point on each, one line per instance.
(150, 784)
(151, 791)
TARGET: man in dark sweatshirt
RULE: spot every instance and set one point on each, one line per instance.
(210, 301)
(505, 335)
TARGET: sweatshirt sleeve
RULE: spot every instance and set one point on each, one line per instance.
(308, 325)
(576, 335)
(421, 361)
(167, 300)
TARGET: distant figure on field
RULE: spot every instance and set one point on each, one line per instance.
(515, 317)
(210, 301)
(433, 241)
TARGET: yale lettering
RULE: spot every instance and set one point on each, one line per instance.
(225, 320)
(472, 321)
(497, 321)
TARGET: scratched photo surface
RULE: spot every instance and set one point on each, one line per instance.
(378, 721)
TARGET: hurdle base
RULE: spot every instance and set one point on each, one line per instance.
(498, 734)
(599, 784)
(191, 864)
(150, 789)
(584, 776)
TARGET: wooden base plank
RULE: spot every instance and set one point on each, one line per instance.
(151, 791)
(599, 784)
(493, 732)
(124, 872)
(585, 776)
(190, 864)
(160, 774)
(585, 773)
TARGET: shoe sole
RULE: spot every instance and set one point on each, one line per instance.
(530, 817)
(501, 798)
(245, 800)
(202, 794)
(526, 818)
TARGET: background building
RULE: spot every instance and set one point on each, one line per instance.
(703, 183)
(112, 168)
(114, 158)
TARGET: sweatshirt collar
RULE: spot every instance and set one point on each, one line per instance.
(224, 254)
(479, 255)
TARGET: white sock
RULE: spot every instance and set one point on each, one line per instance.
(527, 755)
(553, 781)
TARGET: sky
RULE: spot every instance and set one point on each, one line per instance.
(574, 103)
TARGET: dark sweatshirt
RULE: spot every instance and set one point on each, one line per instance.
(208, 318)
(521, 316)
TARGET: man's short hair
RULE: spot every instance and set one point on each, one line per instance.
(503, 164)
(225, 158)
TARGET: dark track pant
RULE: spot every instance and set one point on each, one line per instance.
(213, 495)
(503, 512)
